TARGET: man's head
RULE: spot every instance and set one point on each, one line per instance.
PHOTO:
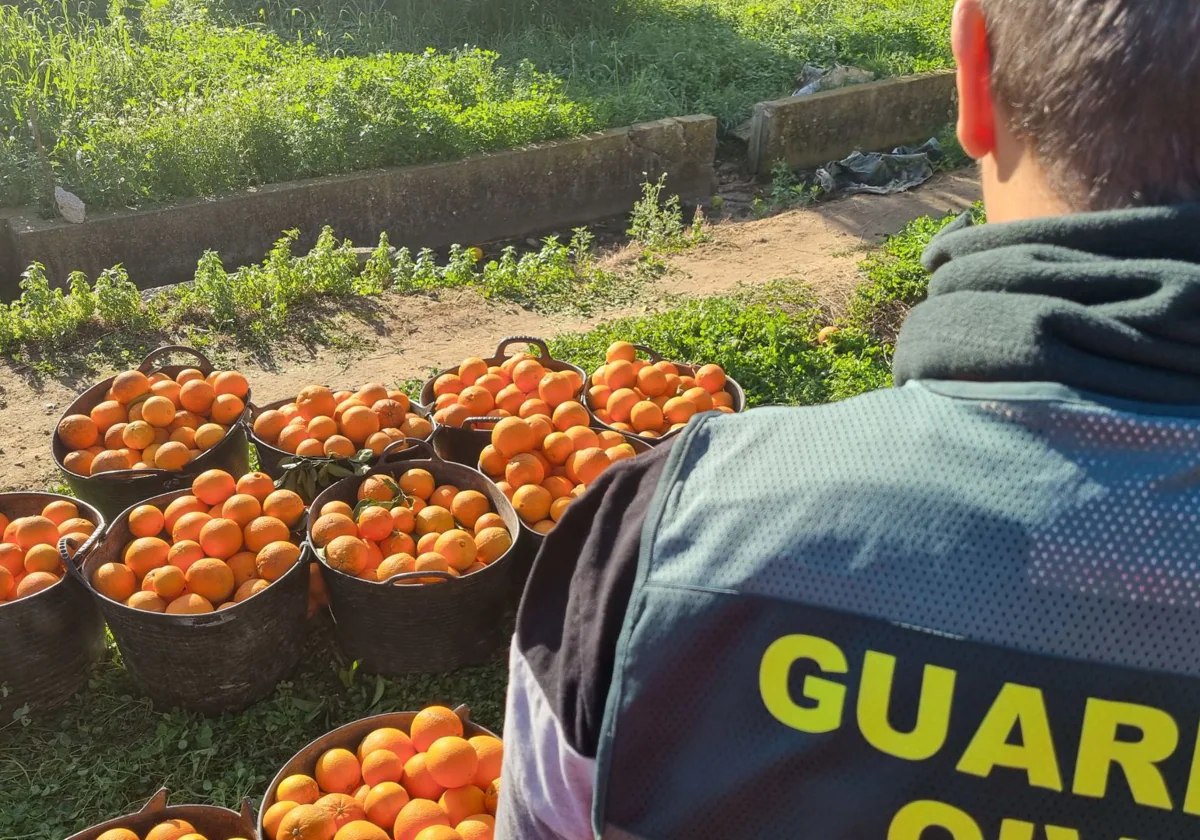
(1075, 105)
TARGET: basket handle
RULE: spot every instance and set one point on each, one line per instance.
(471, 421)
(463, 712)
(398, 451)
(247, 812)
(655, 356)
(155, 804)
(154, 355)
(539, 343)
(68, 561)
(403, 576)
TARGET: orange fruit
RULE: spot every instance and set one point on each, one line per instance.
(79, 462)
(443, 495)
(301, 789)
(646, 416)
(268, 425)
(505, 488)
(430, 561)
(372, 393)
(711, 378)
(158, 412)
(213, 487)
(477, 827)
(146, 553)
(491, 383)
(231, 382)
(559, 486)
(468, 505)
(375, 523)
(462, 802)
(387, 738)
(146, 521)
(451, 761)
(491, 796)
(621, 453)
(477, 400)
(78, 431)
(491, 758)
(114, 438)
(382, 766)
(439, 832)
(249, 589)
(471, 370)
(448, 383)
(209, 435)
(146, 602)
(35, 582)
(188, 526)
(431, 519)
(555, 389)
(338, 771)
(187, 375)
(417, 482)
(722, 399)
(361, 830)
(598, 396)
(510, 399)
(359, 423)
(322, 428)
(337, 507)
(347, 554)
(210, 578)
(75, 526)
(620, 351)
(284, 505)
(559, 506)
(276, 559)
(197, 396)
(8, 585)
(620, 375)
(528, 374)
(432, 723)
(167, 582)
(315, 400)
(263, 531)
(384, 803)
(243, 567)
(700, 398)
(419, 814)
(491, 461)
(170, 830)
(403, 519)
(458, 547)
(679, 410)
(651, 381)
(343, 807)
(115, 581)
(533, 408)
(256, 484)
(570, 414)
(60, 512)
(415, 426)
(241, 508)
(513, 436)
(172, 455)
(380, 488)
(221, 538)
(129, 385)
(524, 469)
(111, 460)
(107, 414)
(621, 403)
(180, 506)
(586, 465)
(491, 543)
(395, 564)
(426, 543)
(190, 604)
(306, 822)
(330, 526)
(275, 814)
(118, 834)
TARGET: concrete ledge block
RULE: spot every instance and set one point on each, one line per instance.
(808, 131)
(508, 194)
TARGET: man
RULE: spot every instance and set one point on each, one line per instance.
(967, 607)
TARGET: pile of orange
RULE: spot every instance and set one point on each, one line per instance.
(411, 524)
(544, 463)
(429, 783)
(521, 387)
(337, 424)
(165, 830)
(153, 421)
(633, 395)
(29, 560)
(216, 547)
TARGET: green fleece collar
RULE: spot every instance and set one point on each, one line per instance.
(1102, 302)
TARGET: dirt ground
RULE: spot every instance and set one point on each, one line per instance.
(404, 337)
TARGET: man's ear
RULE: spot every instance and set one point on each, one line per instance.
(976, 107)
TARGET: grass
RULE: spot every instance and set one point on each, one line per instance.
(144, 101)
(108, 751)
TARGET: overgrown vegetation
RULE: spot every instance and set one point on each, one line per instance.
(142, 101)
(257, 303)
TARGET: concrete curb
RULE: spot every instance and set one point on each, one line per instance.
(808, 131)
(508, 194)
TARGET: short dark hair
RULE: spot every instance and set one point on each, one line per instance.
(1103, 90)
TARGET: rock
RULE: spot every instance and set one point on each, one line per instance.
(70, 206)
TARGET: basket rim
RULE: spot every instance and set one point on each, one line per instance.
(500, 357)
(255, 410)
(202, 618)
(59, 450)
(732, 387)
(502, 561)
(83, 551)
(156, 807)
(331, 741)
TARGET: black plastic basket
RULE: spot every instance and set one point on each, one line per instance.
(395, 629)
(211, 663)
(49, 640)
(736, 393)
(209, 820)
(113, 492)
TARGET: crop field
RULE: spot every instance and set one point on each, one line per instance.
(133, 103)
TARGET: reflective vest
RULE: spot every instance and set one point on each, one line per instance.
(943, 612)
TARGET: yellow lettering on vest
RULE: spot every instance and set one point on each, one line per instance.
(1191, 802)
(911, 821)
(1099, 749)
(1016, 706)
(933, 709)
(1020, 830)
(830, 697)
